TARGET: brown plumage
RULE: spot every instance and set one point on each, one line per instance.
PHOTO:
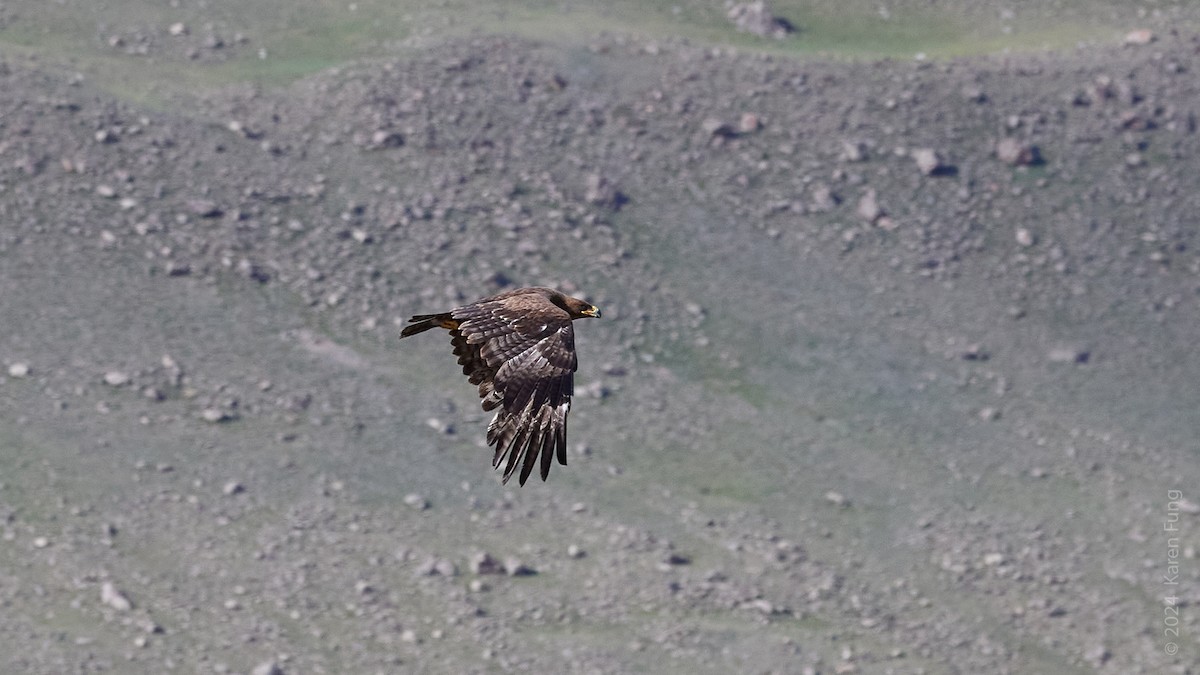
(519, 348)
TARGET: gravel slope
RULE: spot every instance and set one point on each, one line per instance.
(858, 408)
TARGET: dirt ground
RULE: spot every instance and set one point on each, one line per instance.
(896, 373)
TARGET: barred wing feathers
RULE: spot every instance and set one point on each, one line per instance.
(520, 351)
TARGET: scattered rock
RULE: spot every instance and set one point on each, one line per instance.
(433, 567)
(416, 501)
(824, 198)
(601, 192)
(1141, 36)
(268, 668)
(110, 596)
(205, 208)
(854, 151)
(868, 206)
(216, 415)
(928, 161)
(1068, 355)
(715, 127)
(233, 488)
(482, 563)
(1017, 153)
(836, 498)
(515, 568)
(18, 370)
(756, 18)
(384, 138)
(116, 378)
(1025, 238)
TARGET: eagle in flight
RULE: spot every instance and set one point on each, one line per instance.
(519, 347)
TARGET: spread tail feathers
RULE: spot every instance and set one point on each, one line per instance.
(423, 322)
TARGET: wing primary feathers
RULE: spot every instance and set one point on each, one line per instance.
(547, 443)
(531, 453)
(560, 434)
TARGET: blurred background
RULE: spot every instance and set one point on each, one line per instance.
(896, 372)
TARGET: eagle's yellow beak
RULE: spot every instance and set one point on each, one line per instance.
(592, 311)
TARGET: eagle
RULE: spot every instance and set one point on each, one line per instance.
(519, 348)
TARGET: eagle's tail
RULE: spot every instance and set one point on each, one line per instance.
(423, 322)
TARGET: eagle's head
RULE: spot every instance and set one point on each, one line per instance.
(578, 309)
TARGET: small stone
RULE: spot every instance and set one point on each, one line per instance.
(748, 123)
(715, 127)
(1139, 37)
(1025, 237)
(267, 668)
(416, 501)
(1188, 506)
(215, 415)
(205, 208)
(868, 206)
(575, 552)
(989, 414)
(836, 498)
(110, 596)
(384, 138)
(761, 605)
(756, 18)
(993, 559)
(177, 29)
(18, 370)
(116, 378)
(600, 191)
(515, 568)
(854, 151)
(927, 159)
(232, 488)
(41, 542)
(823, 197)
(1068, 355)
(483, 563)
(1014, 152)
(106, 191)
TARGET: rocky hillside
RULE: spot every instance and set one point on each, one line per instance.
(896, 372)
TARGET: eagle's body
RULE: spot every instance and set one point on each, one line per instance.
(519, 347)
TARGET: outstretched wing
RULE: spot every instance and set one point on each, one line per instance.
(521, 353)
